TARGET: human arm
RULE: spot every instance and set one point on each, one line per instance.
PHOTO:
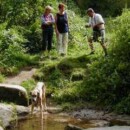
(88, 24)
(56, 29)
(51, 20)
(47, 20)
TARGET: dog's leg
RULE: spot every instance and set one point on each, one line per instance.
(41, 106)
(32, 108)
(44, 98)
(44, 103)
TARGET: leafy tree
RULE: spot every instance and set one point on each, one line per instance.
(106, 7)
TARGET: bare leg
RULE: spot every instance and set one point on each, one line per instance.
(41, 106)
(91, 45)
(104, 48)
(44, 98)
(32, 108)
(44, 103)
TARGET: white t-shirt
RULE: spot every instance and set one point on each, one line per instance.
(96, 19)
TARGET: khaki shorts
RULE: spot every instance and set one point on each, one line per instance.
(99, 34)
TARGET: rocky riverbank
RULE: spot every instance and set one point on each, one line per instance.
(100, 120)
(85, 118)
(10, 114)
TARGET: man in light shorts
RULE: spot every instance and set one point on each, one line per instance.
(97, 23)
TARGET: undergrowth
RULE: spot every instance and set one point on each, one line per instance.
(95, 79)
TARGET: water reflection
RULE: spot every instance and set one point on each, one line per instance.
(43, 122)
(56, 122)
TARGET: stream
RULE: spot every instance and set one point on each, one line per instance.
(45, 122)
(60, 121)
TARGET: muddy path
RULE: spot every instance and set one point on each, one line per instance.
(23, 75)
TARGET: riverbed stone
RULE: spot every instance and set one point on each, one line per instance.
(111, 128)
(10, 113)
(13, 93)
(93, 114)
(72, 127)
(1, 128)
(99, 123)
(54, 110)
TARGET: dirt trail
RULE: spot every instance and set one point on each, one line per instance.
(22, 76)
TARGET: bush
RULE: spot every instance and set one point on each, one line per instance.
(12, 53)
(108, 81)
(121, 41)
(1, 78)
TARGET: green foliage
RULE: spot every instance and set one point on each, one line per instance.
(63, 77)
(29, 85)
(123, 106)
(69, 93)
(25, 14)
(121, 46)
(105, 7)
(78, 77)
(12, 53)
(95, 79)
(33, 45)
(72, 6)
(78, 32)
(1, 78)
(108, 81)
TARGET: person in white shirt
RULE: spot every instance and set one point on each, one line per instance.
(96, 22)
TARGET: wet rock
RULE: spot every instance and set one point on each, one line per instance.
(13, 93)
(54, 110)
(9, 113)
(121, 120)
(99, 123)
(1, 128)
(22, 111)
(88, 114)
(6, 114)
(111, 118)
(72, 127)
(111, 128)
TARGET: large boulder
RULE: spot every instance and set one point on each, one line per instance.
(13, 93)
(9, 114)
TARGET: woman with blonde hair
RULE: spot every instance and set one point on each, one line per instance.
(47, 21)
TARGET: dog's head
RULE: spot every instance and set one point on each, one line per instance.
(34, 97)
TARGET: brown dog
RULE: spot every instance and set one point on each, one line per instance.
(38, 97)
